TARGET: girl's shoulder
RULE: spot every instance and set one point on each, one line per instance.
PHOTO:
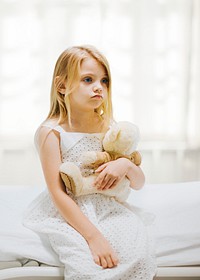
(43, 130)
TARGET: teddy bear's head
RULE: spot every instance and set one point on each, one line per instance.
(122, 137)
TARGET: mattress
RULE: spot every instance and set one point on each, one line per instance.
(44, 273)
(56, 273)
(176, 209)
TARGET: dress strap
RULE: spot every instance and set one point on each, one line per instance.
(58, 128)
(49, 123)
(53, 125)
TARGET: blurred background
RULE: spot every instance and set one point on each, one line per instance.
(153, 47)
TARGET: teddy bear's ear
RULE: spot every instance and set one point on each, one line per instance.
(110, 137)
(113, 133)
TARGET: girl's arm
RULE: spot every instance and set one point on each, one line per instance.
(111, 173)
(48, 143)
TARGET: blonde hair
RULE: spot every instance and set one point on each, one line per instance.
(67, 73)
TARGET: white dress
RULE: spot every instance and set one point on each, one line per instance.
(119, 224)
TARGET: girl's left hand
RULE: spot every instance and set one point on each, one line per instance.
(111, 173)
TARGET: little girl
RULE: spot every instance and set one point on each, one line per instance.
(95, 236)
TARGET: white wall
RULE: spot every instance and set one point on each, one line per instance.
(153, 48)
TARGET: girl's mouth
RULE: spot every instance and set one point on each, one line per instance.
(97, 96)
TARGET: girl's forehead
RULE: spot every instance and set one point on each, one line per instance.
(91, 65)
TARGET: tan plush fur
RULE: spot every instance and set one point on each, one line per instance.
(95, 159)
(120, 141)
(80, 185)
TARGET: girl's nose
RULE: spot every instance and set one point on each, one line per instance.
(97, 89)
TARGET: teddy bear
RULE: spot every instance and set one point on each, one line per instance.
(120, 141)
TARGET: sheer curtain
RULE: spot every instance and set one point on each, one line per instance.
(153, 47)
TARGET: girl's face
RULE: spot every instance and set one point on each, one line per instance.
(92, 87)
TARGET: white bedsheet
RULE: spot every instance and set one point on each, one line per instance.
(16, 241)
(177, 223)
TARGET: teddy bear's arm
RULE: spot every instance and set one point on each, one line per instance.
(135, 157)
(101, 157)
(68, 182)
(95, 159)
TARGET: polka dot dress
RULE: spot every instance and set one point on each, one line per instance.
(122, 227)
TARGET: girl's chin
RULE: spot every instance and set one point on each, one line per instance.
(97, 102)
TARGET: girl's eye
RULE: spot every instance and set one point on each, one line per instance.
(105, 81)
(87, 80)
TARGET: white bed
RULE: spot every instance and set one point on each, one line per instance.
(25, 255)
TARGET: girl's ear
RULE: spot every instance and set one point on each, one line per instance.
(59, 86)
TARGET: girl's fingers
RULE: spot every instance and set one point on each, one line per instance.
(109, 262)
(103, 182)
(98, 183)
(102, 253)
(101, 168)
(96, 260)
(104, 262)
(114, 184)
(106, 182)
(99, 180)
(109, 184)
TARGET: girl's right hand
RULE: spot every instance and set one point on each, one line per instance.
(102, 251)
